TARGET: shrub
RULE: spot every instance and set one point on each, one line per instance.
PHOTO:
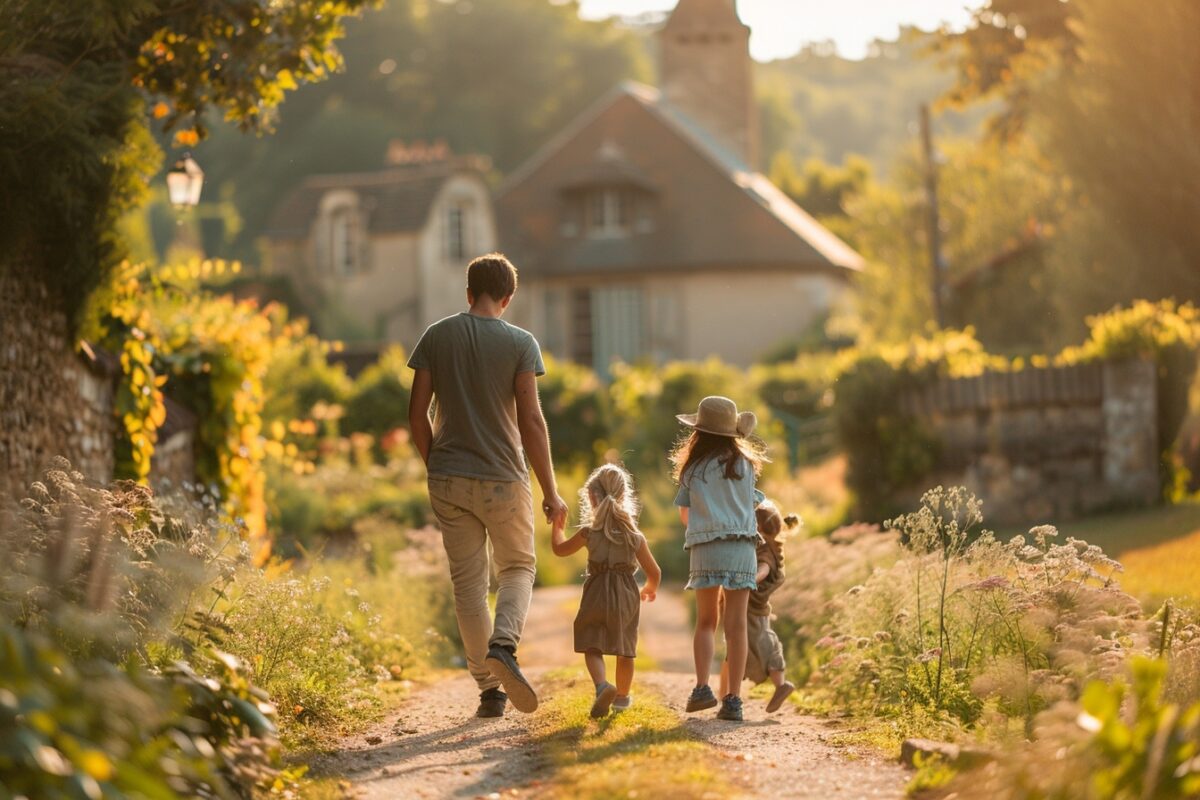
(1120, 741)
(379, 400)
(577, 412)
(95, 699)
(963, 619)
(888, 448)
(297, 647)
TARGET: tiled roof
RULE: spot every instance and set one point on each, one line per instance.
(396, 200)
(713, 210)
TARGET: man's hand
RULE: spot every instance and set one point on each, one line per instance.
(555, 509)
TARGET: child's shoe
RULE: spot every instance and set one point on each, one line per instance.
(781, 693)
(491, 703)
(731, 708)
(605, 694)
(702, 697)
(622, 703)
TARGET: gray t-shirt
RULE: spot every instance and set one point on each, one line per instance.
(474, 362)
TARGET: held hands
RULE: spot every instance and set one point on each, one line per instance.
(555, 509)
(557, 530)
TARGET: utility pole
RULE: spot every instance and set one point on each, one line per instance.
(937, 262)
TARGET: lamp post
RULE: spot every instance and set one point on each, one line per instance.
(184, 181)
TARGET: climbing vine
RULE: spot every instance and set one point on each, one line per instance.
(210, 353)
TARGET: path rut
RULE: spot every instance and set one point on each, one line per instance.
(432, 747)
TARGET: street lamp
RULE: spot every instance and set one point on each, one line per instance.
(184, 181)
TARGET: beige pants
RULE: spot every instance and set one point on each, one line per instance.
(470, 513)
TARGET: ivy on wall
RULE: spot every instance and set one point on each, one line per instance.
(211, 353)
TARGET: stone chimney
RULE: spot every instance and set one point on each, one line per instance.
(707, 72)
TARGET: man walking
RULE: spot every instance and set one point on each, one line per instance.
(487, 419)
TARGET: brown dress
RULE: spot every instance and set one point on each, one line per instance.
(608, 612)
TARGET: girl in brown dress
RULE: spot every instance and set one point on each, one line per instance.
(607, 623)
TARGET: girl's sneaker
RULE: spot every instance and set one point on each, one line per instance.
(605, 694)
(702, 697)
(781, 693)
(622, 703)
(731, 708)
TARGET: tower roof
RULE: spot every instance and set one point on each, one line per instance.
(704, 14)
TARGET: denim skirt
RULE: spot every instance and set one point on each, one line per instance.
(729, 563)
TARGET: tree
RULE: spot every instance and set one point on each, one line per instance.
(1126, 127)
(495, 77)
(79, 83)
(1009, 50)
(821, 189)
(1000, 202)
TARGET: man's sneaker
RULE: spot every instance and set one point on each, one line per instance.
(503, 664)
(491, 703)
(702, 697)
(622, 703)
(731, 708)
(605, 694)
(781, 693)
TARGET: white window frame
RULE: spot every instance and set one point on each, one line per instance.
(457, 240)
(608, 211)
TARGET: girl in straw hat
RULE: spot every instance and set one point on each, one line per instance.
(716, 467)
(607, 623)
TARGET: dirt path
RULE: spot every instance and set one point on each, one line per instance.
(434, 748)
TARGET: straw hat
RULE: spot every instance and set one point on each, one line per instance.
(719, 416)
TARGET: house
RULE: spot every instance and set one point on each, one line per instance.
(381, 254)
(644, 231)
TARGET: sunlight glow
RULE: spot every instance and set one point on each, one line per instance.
(781, 27)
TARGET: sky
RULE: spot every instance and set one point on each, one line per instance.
(780, 27)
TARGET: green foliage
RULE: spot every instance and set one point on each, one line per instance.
(820, 189)
(300, 376)
(496, 77)
(577, 410)
(76, 139)
(96, 590)
(886, 446)
(645, 400)
(998, 203)
(1121, 741)
(213, 355)
(1165, 333)
(1009, 50)
(962, 621)
(378, 402)
(818, 104)
(88, 728)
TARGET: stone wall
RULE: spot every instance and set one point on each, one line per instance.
(1042, 445)
(53, 399)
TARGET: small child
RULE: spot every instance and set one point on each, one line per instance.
(607, 622)
(764, 658)
(716, 467)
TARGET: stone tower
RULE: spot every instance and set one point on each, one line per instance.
(707, 72)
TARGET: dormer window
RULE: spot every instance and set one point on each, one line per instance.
(608, 212)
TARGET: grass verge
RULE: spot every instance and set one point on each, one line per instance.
(643, 752)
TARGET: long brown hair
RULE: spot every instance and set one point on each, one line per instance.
(730, 451)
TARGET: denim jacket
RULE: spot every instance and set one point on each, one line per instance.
(718, 507)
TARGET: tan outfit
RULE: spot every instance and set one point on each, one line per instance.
(766, 651)
(471, 513)
(608, 612)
